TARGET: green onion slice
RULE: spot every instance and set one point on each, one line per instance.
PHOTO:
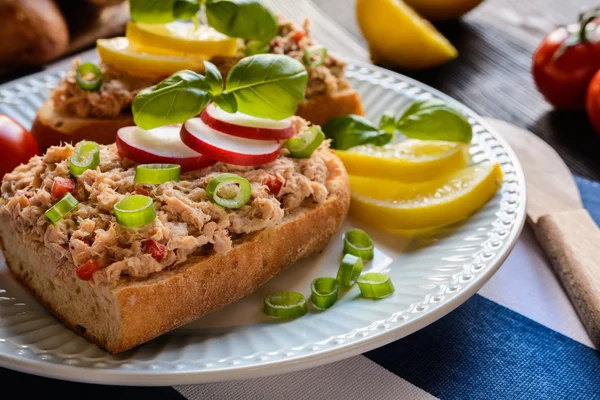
(324, 292)
(82, 76)
(309, 141)
(375, 285)
(135, 211)
(314, 56)
(350, 269)
(62, 207)
(156, 174)
(285, 305)
(86, 156)
(357, 242)
(242, 195)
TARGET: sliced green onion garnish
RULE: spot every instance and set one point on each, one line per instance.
(375, 285)
(324, 292)
(86, 156)
(311, 52)
(135, 211)
(357, 242)
(242, 194)
(350, 269)
(63, 206)
(285, 305)
(309, 141)
(156, 174)
(82, 75)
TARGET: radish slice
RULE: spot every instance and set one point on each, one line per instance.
(226, 148)
(160, 145)
(247, 126)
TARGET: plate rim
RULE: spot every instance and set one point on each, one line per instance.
(276, 367)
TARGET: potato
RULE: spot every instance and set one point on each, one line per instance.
(33, 32)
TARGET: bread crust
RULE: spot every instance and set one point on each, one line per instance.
(135, 311)
(51, 128)
(321, 109)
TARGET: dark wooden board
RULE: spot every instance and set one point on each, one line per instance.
(492, 73)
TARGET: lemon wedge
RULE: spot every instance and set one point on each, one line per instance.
(180, 38)
(121, 54)
(442, 10)
(397, 34)
(397, 206)
(411, 160)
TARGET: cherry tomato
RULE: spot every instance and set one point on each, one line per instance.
(17, 145)
(87, 270)
(592, 103)
(61, 186)
(565, 62)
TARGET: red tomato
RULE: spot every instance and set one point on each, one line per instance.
(61, 186)
(592, 103)
(274, 184)
(17, 145)
(158, 251)
(298, 35)
(87, 270)
(565, 62)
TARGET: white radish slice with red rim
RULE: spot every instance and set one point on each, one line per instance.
(247, 126)
(161, 145)
(226, 148)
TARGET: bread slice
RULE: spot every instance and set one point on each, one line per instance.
(51, 128)
(321, 109)
(135, 311)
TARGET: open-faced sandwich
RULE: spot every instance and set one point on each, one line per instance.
(93, 101)
(185, 213)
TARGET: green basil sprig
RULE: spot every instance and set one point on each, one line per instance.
(353, 130)
(181, 96)
(264, 86)
(434, 119)
(245, 19)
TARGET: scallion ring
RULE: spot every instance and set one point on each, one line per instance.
(357, 242)
(375, 285)
(324, 292)
(135, 211)
(311, 52)
(285, 305)
(219, 182)
(83, 73)
(86, 156)
(62, 207)
(350, 269)
(155, 174)
(307, 143)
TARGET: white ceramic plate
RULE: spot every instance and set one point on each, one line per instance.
(433, 274)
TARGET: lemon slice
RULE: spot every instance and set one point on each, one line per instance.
(395, 206)
(411, 160)
(397, 34)
(181, 38)
(120, 54)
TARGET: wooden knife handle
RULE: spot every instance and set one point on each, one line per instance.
(571, 241)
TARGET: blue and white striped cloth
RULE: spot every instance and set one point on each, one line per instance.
(515, 339)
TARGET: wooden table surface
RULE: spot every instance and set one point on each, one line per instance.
(492, 73)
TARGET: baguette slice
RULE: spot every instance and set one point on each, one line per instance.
(135, 311)
(321, 109)
(51, 128)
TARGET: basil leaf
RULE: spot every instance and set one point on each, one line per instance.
(353, 130)
(213, 78)
(388, 122)
(185, 9)
(434, 119)
(254, 47)
(226, 101)
(268, 85)
(152, 11)
(246, 19)
(178, 98)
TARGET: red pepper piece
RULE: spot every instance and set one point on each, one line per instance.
(274, 184)
(87, 270)
(158, 251)
(62, 186)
